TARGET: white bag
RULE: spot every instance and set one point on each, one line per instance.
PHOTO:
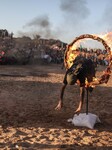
(86, 120)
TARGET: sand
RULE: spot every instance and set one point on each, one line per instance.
(28, 119)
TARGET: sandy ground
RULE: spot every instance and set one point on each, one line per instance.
(28, 120)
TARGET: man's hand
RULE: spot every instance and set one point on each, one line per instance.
(59, 106)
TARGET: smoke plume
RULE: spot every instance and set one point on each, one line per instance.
(73, 12)
(75, 8)
(40, 25)
(41, 21)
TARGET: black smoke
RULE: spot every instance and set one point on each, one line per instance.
(73, 13)
(40, 25)
(41, 21)
(76, 9)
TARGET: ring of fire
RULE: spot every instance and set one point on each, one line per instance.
(69, 56)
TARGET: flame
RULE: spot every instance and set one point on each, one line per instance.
(108, 39)
(86, 83)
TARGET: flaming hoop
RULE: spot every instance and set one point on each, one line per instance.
(69, 53)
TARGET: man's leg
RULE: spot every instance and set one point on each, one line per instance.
(60, 102)
(82, 94)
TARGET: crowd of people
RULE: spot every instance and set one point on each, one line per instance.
(52, 54)
(99, 56)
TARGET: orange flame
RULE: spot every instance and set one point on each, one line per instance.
(108, 39)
